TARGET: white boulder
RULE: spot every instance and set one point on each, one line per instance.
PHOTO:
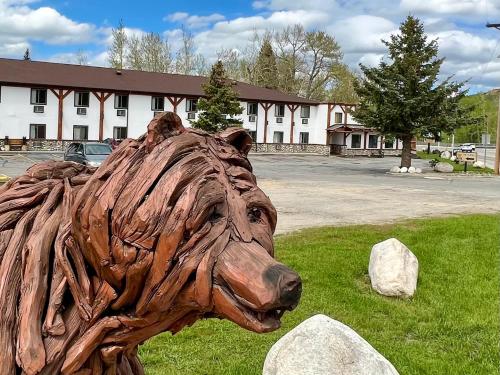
(403, 170)
(393, 269)
(446, 155)
(323, 346)
(453, 158)
(479, 164)
(443, 167)
(394, 169)
(418, 170)
(411, 170)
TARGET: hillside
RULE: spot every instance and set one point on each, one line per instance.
(485, 106)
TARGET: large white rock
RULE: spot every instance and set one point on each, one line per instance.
(323, 346)
(411, 170)
(478, 164)
(418, 170)
(443, 167)
(394, 169)
(453, 158)
(393, 269)
(403, 170)
(446, 154)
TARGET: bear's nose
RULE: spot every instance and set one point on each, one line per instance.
(290, 287)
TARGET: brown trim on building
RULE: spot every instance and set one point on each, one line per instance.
(102, 97)
(266, 107)
(292, 108)
(60, 95)
(366, 135)
(175, 101)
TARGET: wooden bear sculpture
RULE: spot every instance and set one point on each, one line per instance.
(170, 229)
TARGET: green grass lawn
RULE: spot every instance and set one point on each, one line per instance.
(457, 167)
(451, 326)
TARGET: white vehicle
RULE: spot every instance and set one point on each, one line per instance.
(468, 147)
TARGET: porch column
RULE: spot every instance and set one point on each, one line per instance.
(329, 118)
(366, 134)
(175, 101)
(60, 95)
(292, 109)
(266, 107)
(102, 97)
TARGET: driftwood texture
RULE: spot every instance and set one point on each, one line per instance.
(170, 229)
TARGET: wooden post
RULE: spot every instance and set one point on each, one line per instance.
(175, 101)
(60, 95)
(292, 109)
(266, 107)
(329, 118)
(366, 133)
(102, 97)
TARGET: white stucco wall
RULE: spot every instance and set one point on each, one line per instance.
(16, 113)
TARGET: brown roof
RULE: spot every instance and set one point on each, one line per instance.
(37, 73)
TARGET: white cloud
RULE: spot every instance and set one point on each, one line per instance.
(194, 21)
(453, 7)
(20, 23)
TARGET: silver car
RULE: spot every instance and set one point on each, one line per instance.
(91, 154)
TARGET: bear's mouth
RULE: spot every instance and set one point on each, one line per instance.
(235, 308)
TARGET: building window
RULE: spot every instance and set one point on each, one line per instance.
(389, 143)
(121, 101)
(304, 137)
(119, 132)
(80, 132)
(355, 140)
(81, 99)
(37, 131)
(39, 96)
(191, 105)
(305, 111)
(338, 117)
(278, 137)
(252, 109)
(279, 110)
(372, 141)
(253, 134)
(158, 103)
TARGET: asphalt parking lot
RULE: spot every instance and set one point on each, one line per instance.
(315, 191)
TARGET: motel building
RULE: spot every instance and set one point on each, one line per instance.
(45, 106)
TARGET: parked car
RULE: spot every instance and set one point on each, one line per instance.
(91, 154)
(467, 147)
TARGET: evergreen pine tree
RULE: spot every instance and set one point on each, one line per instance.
(266, 71)
(27, 55)
(402, 98)
(220, 104)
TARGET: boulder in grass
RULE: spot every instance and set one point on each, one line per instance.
(323, 346)
(394, 169)
(446, 154)
(393, 269)
(403, 170)
(479, 164)
(443, 167)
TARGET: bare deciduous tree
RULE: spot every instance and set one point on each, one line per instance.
(290, 44)
(81, 57)
(117, 50)
(322, 52)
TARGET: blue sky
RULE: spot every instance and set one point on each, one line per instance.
(55, 29)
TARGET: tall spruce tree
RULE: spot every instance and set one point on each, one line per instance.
(266, 71)
(27, 54)
(220, 105)
(404, 98)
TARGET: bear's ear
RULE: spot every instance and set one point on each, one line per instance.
(238, 138)
(163, 126)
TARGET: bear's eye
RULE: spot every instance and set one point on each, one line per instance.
(214, 215)
(254, 215)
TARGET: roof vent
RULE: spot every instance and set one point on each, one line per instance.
(119, 72)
